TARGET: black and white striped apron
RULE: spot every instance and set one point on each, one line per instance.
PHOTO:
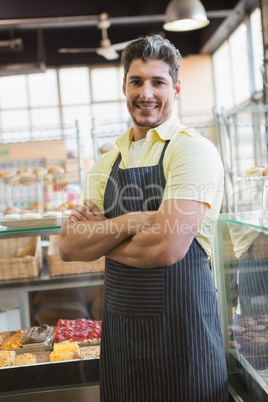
(161, 340)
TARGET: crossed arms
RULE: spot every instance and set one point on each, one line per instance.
(140, 239)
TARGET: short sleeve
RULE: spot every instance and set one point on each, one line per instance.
(195, 170)
(94, 186)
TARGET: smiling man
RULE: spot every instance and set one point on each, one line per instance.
(150, 206)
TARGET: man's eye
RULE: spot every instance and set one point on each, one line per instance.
(135, 82)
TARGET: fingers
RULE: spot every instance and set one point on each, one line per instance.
(92, 207)
(89, 212)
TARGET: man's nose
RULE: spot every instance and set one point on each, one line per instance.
(146, 91)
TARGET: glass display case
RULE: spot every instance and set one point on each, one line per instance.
(35, 295)
(240, 269)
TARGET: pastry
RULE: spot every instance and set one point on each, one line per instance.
(265, 171)
(14, 180)
(22, 171)
(254, 171)
(7, 358)
(90, 352)
(37, 335)
(81, 330)
(27, 179)
(40, 171)
(30, 215)
(67, 205)
(5, 174)
(1, 339)
(52, 214)
(13, 341)
(27, 250)
(56, 169)
(67, 212)
(12, 217)
(239, 330)
(64, 351)
(11, 210)
(25, 358)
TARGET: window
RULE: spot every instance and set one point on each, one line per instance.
(43, 89)
(62, 97)
(106, 84)
(237, 64)
(223, 77)
(74, 86)
(257, 48)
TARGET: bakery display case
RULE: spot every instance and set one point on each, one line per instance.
(50, 310)
(55, 302)
(240, 269)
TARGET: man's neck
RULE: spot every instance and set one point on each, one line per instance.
(139, 132)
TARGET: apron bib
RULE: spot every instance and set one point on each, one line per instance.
(161, 339)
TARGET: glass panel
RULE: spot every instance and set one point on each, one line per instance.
(239, 62)
(240, 264)
(13, 92)
(257, 47)
(74, 86)
(106, 84)
(222, 77)
(43, 89)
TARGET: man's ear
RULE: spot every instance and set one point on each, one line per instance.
(177, 89)
(124, 86)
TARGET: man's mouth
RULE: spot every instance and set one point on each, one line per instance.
(146, 106)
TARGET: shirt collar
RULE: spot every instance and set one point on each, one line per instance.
(165, 131)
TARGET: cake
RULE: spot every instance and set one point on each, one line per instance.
(13, 341)
(90, 352)
(64, 351)
(23, 359)
(80, 330)
(254, 171)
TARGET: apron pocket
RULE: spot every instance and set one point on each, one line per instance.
(134, 292)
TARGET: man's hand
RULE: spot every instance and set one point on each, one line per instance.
(90, 212)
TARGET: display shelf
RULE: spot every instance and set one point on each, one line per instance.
(240, 269)
(49, 376)
(46, 378)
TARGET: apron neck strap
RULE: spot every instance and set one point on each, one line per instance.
(160, 162)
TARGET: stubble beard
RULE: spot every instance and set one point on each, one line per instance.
(140, 123)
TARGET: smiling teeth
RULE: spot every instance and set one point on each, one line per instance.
(147, 108)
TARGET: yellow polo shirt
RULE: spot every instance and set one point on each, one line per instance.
(192, 168)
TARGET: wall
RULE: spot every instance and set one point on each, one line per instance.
(196, 84)
(197, 95)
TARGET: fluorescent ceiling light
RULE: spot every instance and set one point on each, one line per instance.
(185, 15)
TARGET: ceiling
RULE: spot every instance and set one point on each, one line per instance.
(129, 19)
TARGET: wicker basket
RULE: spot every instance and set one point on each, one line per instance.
(14, 267)
(58, 267)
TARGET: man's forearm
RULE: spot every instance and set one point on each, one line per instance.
(142, 250)
(89, 240)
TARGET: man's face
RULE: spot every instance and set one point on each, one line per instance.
(150, 92)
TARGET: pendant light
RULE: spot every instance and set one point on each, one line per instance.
(185, 15)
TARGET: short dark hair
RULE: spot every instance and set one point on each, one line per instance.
(153, 47)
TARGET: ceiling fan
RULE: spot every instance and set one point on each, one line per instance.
(106, 49)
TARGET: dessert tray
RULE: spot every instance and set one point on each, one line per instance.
(18, 224)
